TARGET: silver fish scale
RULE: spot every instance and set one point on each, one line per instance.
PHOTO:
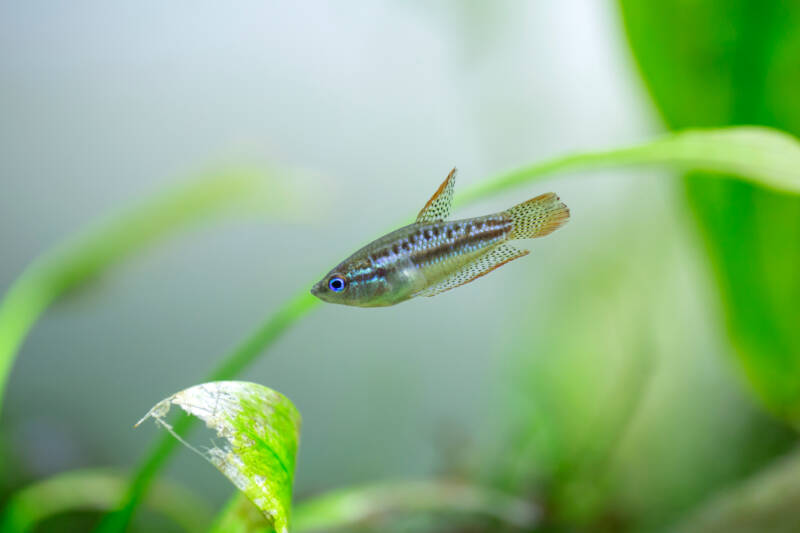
(441, 246)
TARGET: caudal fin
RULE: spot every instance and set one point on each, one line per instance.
(538, 216)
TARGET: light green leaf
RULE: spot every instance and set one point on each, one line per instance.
(97, 490)
(240, 516)
(764, 156)
(260, 429)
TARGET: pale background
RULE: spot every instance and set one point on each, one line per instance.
(102, 105)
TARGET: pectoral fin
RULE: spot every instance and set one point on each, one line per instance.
(480, 267)
(438, 207)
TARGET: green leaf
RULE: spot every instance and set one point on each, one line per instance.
(718, 150)
(763, 156)
(97, 490)
(241, 516)
(720, 62)
(260, 429)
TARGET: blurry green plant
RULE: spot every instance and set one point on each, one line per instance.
(260, 429)
(758, 155)
(97, 490)
(725, 62)
(707, 64)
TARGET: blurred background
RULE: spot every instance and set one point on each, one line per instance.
(642, 362)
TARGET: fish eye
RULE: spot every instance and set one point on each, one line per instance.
(337, 283)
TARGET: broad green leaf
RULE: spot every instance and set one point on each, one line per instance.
(87, 256)
(97, 490)
(717, 150)
(715, 63)
(260, 429)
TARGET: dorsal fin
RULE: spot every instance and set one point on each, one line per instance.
(438, 207)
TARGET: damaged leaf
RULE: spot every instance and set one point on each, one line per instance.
(259, 429)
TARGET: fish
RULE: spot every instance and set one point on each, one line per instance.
(434, 255)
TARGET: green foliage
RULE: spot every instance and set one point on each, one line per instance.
(756, 155)
(618, 396)
(241, 516)
(600, 440)
(232, 364)
(260, 428)
(767, 502)
(763, 156)
(97, 490)
(722, 62)
(712, 150)
(346, 508)
(578, 379)
(377, 504)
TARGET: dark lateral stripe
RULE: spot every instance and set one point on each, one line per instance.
(486, 235)
(458, 244)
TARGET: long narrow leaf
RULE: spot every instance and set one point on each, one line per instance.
(764, 156)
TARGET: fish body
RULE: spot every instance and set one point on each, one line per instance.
(433, 255)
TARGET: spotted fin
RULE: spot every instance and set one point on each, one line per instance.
(537, 217)
(438, 207)
(480, 267)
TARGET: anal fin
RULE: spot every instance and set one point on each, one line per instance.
(480, 267)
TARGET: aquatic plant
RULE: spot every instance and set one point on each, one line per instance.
(259, 426)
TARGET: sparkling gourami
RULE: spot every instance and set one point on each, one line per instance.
(433, 255)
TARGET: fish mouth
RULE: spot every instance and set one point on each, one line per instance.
(317, 290)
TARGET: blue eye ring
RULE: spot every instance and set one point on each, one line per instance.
(337, 283)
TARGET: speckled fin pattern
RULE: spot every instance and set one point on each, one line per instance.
(538, 216)
(483, 265)
(438, 207)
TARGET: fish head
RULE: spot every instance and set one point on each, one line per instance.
(355, 283)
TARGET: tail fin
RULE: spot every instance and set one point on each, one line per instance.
(537, 217)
